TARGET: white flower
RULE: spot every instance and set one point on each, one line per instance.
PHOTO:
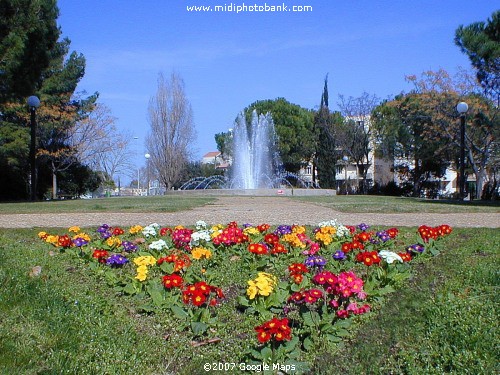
(201, 225)
(151, 230)
(389, 256)
(158, 245)
(201, 236)
(341, 230)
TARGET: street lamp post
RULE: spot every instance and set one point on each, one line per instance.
(462, 109)
(33, 103)
(147, 156)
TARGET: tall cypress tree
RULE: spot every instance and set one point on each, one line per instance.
(326, 154)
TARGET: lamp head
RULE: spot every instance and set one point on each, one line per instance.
(33, 101)
(462, 107)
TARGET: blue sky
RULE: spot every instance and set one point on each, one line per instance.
(228, 60)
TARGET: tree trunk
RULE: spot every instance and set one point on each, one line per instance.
(480, 180)
(54, 185)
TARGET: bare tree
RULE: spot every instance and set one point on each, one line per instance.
(355, 137)
(172, 130)
(99, 145)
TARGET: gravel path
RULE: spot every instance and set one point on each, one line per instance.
(254, 210)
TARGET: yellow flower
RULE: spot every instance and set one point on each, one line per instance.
(252, 289)
(74, 229)
(135, 229)
(113, 241)
(250, 230)
(147, 260)
(216, 230)
(200, 252)
(83, 236)
(293, 240)
(142, 272)
(324, 234)
(52, 239)
(42, 234)
(298, 229)
(179, 227)
(263, 285)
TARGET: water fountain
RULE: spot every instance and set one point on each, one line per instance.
(256, 166)
(256, 160)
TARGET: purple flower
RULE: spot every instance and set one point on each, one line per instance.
(79, 242)
(129, 246)
(415, 248)
(383, 235)
(315, 261)
(339, 255)
(283, 229)
(363, 227)
(103, 228)
(116, 260)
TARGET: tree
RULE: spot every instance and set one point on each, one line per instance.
(293, 125)
(355, 136)
(98, 144)
(28, 33)
(401, 125)
(480, 41)
(172, 130)
(326, 156)
(424, 125)
(61, 109)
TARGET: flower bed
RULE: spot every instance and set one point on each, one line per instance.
(301, 284)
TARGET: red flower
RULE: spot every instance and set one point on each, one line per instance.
(118, 231)
(64, 241)
(100, 255)
(271, 239)
(363, 236)
(165, 231)
(368, 257)
(392, 232)
(198, 299)
(258, 248)
(276, 329)
(279, 248)
(263, 227)
(405, 256)
(172, 281)
(346, 247)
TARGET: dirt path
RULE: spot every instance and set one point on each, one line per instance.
(254, 210)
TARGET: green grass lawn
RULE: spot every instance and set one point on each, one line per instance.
(172, 203)
(69, 320)
(386, 204)
(169, 203)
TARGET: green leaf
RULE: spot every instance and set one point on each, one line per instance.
(198, 328)
(344, 323)
(266, 354)
(292, 344)
(146, 308)
(342, 332)
(333, 338)
(385, 290)
(243, 301)
(157, 298)
(179, 312)
(311, 318)
(307, 343)
(129, 289)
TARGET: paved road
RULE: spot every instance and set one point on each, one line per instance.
(254, 210)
